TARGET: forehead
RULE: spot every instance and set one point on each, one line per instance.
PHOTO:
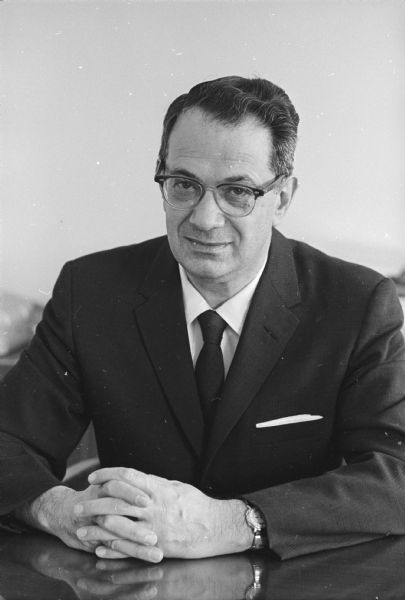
(200, 139)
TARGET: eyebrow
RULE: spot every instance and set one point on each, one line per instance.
(230, 179)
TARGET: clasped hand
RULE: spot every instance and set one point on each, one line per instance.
(148, 517)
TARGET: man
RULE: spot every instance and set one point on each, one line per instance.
(275, 419)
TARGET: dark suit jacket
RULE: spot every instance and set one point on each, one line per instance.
(322, 336)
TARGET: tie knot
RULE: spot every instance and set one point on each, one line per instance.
(212, 327)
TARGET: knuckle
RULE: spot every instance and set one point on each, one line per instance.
(120, 548)
(126, 473)
(120, 507)
(108, 488)
(101, 520)
(108, 521)
(140, 500)
(114, 545)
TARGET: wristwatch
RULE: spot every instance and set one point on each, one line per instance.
(257, 524)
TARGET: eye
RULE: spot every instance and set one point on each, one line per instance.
(237, 192)
(184, 185)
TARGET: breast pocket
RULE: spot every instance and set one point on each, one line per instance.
(278, 434)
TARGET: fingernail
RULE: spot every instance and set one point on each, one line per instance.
(150, 539)
(91, 478)
(156, 555)
(100, 551)
(78, 509)
(82, 532)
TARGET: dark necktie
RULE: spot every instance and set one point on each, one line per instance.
(209, 368)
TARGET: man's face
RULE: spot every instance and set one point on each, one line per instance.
(217, 250)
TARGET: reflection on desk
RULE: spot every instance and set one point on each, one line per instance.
(37, 566)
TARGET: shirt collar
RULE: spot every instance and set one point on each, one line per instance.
(233, 311)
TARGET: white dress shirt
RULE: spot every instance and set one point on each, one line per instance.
(233, 311)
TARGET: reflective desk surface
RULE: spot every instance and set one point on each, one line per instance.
(36, 566)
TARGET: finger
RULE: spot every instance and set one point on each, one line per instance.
(106, 506)
(125, 491)
(132, 476)
(110, 553)
(78, 544)
(121, 527)
(92, 535)
(149, 554)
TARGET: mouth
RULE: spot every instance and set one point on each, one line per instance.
(206, 246)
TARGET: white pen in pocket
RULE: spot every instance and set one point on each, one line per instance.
(289, 420)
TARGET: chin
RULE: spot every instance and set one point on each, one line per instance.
(208, 270)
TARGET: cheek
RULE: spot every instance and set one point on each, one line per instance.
(254, 238)
(172, 222)
(256, 232)
(265, 220)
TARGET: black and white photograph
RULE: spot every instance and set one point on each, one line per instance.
(202, 295)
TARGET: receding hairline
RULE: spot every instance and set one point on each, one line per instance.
(247, 119)
(213, 118)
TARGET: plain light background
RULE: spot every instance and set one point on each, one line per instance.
(85, 85)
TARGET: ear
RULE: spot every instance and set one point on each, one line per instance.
(284, 200)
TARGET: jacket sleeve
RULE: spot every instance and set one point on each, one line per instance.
(364, 499)
(42, 416)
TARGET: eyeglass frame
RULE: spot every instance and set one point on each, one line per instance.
(257, 192)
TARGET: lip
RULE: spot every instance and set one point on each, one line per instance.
(206, 246)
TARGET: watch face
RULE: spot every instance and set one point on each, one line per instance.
(254, 519)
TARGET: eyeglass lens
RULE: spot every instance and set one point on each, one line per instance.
(232, 199)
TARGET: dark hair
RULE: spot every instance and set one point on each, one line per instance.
(230, 100)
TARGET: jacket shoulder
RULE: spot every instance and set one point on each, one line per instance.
(107, 275)
(133, 260)
(344, 292)
(329, 274)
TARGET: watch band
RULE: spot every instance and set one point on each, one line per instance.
(257, 524)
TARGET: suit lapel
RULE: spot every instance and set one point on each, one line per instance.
(160, 316)
(268, 327)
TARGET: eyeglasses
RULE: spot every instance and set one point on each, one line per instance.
(234, 200)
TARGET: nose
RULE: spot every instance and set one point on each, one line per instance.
(207, 215)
